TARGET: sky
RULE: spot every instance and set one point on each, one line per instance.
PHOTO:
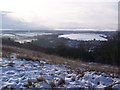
(59, 14)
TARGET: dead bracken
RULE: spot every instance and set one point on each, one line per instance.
(11, 63)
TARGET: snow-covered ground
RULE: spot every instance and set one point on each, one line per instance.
(23, 37)
(32, 34)
(25, 40)
(25, 34)
(84, 36)
(21, 73)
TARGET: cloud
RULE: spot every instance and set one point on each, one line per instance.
(91, 15)
(60, 14)
(8, 22)
(5, 12)
(0, 20)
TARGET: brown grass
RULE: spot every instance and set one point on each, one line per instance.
(61, 81)
(40, 79)
(52, 84)
(11, 63)
(69, 63)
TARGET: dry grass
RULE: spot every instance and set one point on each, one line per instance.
(28, 83)
(61, 82)
(11, 63)
(40, 79)
(69, 63)
(52, 84)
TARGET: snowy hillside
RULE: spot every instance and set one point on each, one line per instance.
(21, 73)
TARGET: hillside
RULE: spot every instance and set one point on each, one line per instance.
(24, 68)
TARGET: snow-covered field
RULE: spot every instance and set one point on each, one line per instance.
(18, 73)
(25, 40)
(23, 37)
(32, 34)
(25, 34)
(84, 36)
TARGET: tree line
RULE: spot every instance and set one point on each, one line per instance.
(105, 52)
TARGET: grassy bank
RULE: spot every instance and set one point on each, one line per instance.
(70, 63)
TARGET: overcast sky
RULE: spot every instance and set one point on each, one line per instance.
(59, 14)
